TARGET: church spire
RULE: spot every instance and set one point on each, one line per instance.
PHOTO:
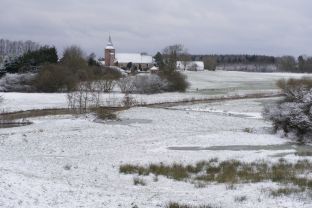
(109, 52)
(110, 44)
(110, 39)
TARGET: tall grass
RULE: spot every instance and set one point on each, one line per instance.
(230, 172)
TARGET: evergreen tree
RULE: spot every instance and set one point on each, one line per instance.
(159, 59)
(32, 60)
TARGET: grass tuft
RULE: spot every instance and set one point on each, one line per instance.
(240, 198)
(177, 205)
(286, 191)
(138, 181)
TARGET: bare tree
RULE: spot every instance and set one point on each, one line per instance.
(185, 59)
(126, 84)
(10, 50)
(74, 58)
(128, 101)
(287, 63)
(210, 63)
(82, 98)
(171, 55)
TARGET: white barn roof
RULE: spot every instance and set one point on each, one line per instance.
(134, 58)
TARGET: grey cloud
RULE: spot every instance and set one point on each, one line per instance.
(274, 27)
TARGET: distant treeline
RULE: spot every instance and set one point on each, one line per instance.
(237, 59)
(10, 50)
(264, 63)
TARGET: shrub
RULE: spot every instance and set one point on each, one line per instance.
(105, 114)
(53, 78)
(126, 84)
(128, 101)
(150, 84)
(82, 98)
(17, 82)
(293, 115)
(176, 81)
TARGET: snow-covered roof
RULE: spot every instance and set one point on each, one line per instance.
(154, 68)
(109, 47)
(134, 58)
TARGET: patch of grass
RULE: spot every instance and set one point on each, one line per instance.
(229, 172)
(138, 181)
(177, 205)
(304, 154)
(231, 187)
(200, 185)
(240, 198)
(33, 113)
(105, 114)
(176, 171)
(248, 130)
(52, 112)
(133, 169)
(285, 191)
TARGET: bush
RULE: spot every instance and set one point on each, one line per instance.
(126, 84)
(54, 78)
(105, 114)
(105, 78)
(150, 84)
(176, 80)
(293, 115)
(17, 82)
(128, 101)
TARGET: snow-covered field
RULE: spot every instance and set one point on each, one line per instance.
(67, 161)
(204, 85)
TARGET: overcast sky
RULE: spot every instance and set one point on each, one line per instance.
(272, 27)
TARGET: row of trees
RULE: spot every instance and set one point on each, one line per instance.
(284, 63)
(12, 49)
(53, 74)
(233, 59)
(32, 60)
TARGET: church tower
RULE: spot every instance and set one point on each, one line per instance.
(109, 53)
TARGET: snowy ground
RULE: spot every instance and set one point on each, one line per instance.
(204, 84)
(66, 161)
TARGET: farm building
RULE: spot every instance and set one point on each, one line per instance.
(190, 65)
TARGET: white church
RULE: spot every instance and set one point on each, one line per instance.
(141, 62)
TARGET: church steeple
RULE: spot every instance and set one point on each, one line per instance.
(109, 52)
(110, 39)
(110, 44)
